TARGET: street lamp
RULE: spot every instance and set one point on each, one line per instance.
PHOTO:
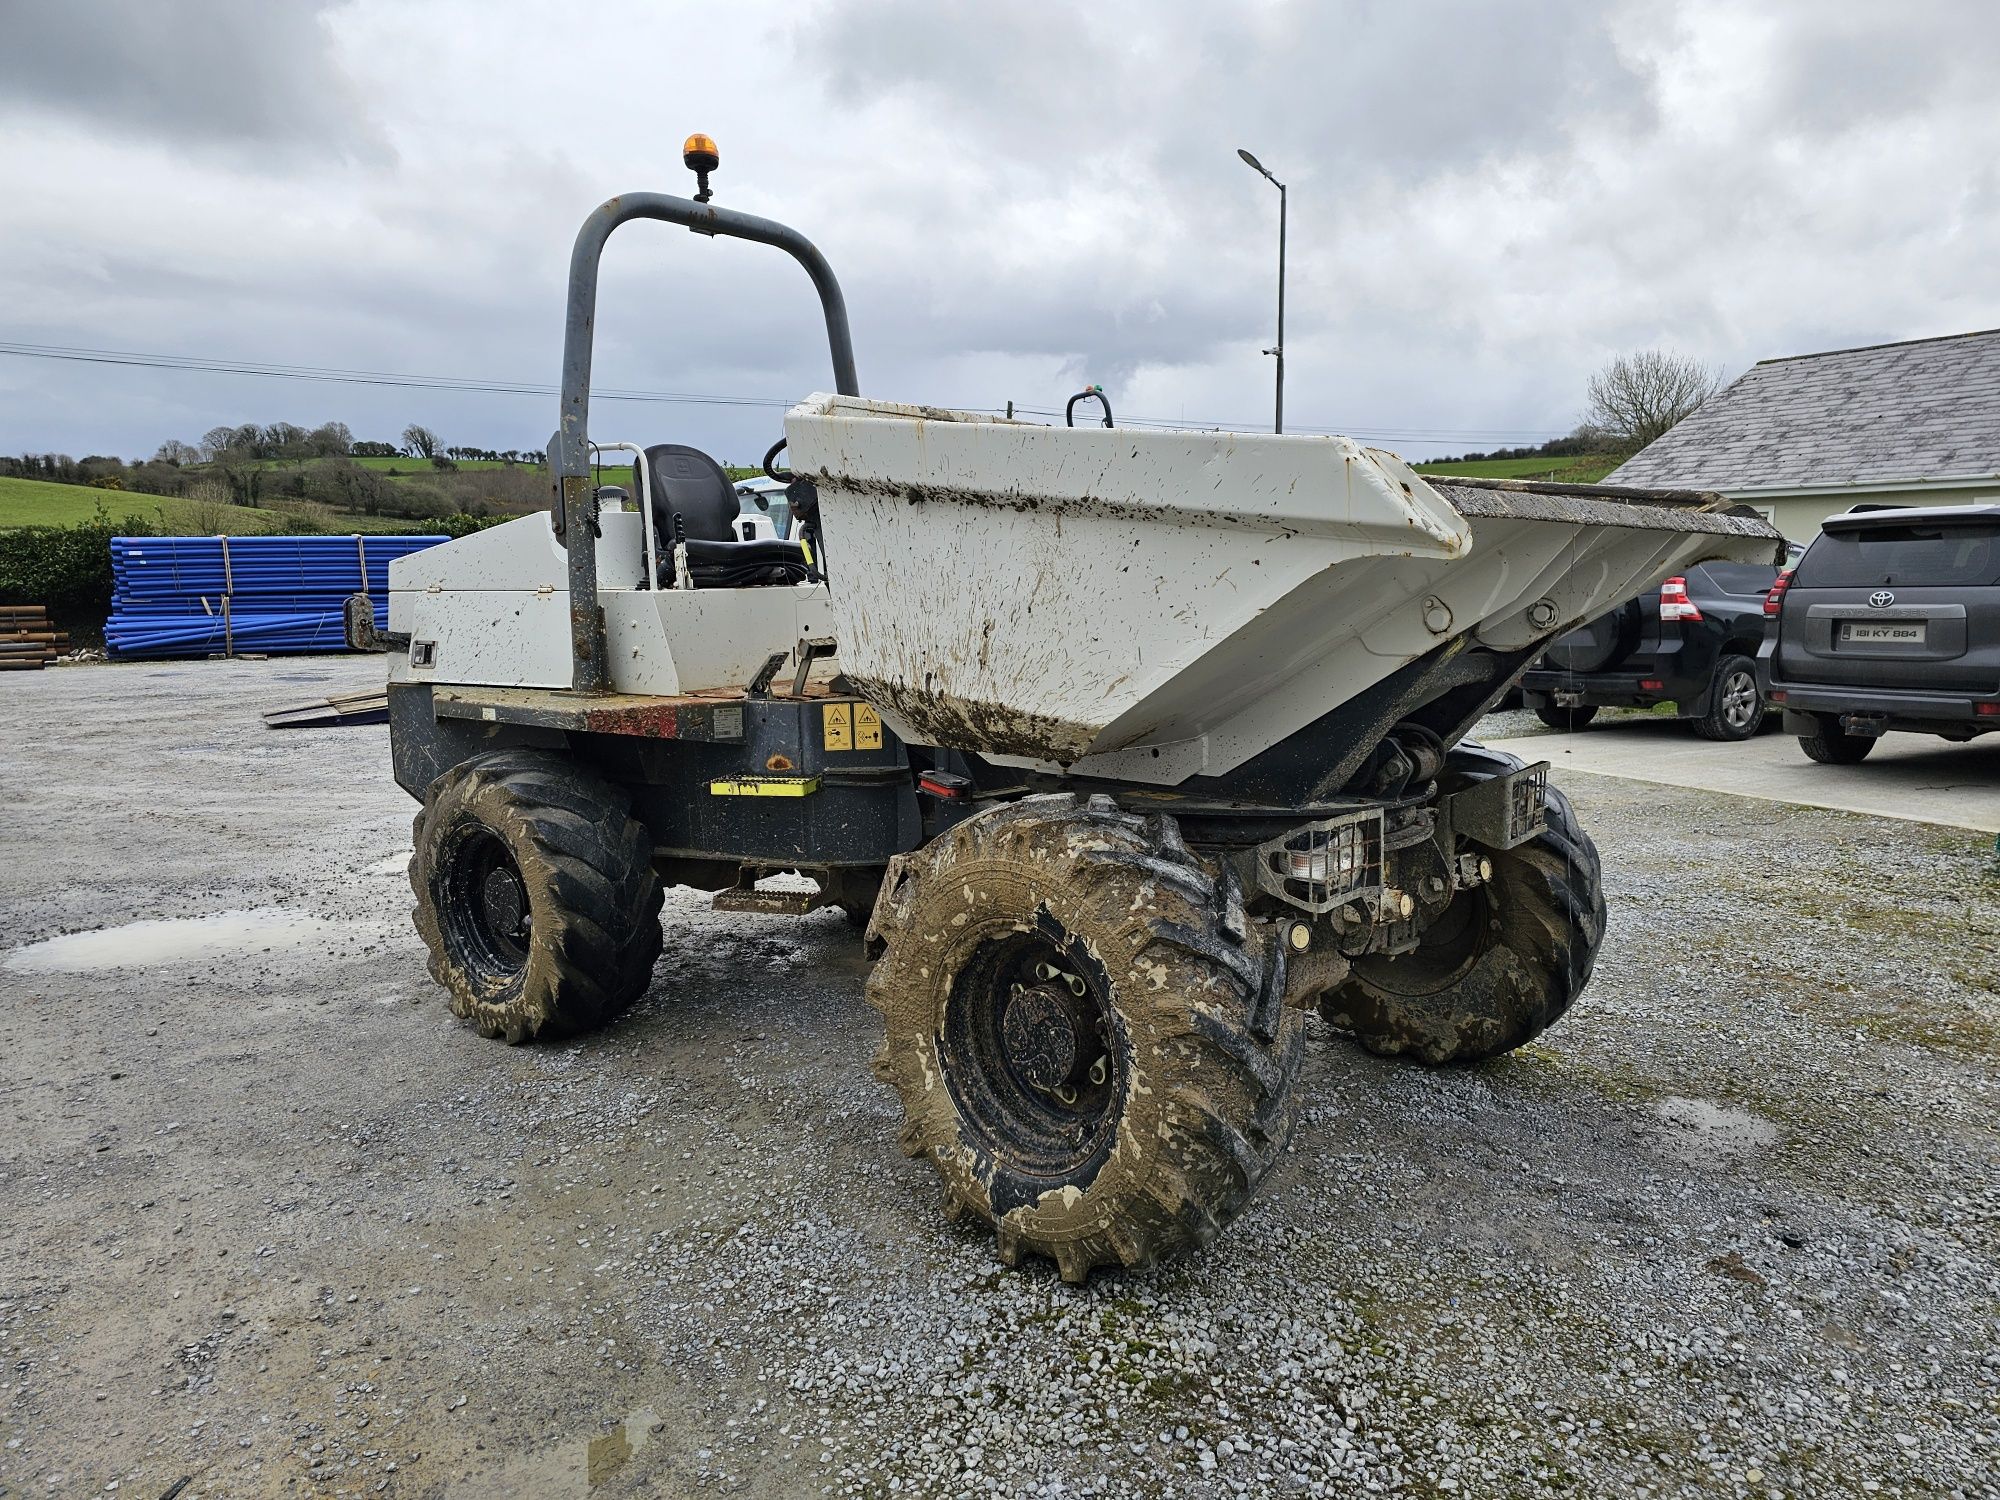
(1261, 170)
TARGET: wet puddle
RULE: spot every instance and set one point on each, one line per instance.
(572, 1468)
(178, 940)
(1699, 1129)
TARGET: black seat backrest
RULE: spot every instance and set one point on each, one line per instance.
(688, 481)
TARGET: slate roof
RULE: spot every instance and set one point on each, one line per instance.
(1927, 409)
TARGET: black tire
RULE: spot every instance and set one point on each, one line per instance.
(1162, 1022)
(1556, 716)
(536, 895)
(1735, 702)
(1831, 745)
(1504, 961)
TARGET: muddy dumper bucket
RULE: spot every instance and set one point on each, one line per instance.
(1156, 605)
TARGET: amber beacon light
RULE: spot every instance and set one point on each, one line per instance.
(700, 156)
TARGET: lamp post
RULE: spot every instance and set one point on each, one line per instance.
(1261, 170)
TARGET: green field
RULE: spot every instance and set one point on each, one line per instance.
(36, 502)
(1584, 469)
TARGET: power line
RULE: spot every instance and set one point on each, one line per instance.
(361, 377)
(474, 385)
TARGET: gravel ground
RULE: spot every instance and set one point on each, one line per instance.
(275, 1222)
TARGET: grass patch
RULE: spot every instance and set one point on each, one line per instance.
(38, 502)
(1583, 469)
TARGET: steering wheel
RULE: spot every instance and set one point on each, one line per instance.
(771, 471)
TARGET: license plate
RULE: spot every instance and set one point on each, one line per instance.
(1869, 631)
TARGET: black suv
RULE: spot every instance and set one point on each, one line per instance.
(1692, 642)
(1890, 621)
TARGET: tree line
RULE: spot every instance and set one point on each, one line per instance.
(260, 464)
(275, 441)
(1634, 400)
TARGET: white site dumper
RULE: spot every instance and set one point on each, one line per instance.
(1125, 746)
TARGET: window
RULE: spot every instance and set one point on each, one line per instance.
(1935, 554)
(1741, 578)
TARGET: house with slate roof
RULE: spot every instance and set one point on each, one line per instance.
(1809, 436)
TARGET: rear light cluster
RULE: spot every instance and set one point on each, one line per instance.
(1674, 601)
(1774, 600)
(1987, 710)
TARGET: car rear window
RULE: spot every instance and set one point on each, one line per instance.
(1939, 556)
(1741, 578)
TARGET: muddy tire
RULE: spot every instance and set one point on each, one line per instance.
(1735, 702)
(1556, 716)
(536, 895)
(1089, 1050)
(1831, 745)
(1504, 961)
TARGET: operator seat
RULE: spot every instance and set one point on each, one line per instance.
(688, 483)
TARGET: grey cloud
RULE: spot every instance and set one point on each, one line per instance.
(240, 74)
(1487, 202)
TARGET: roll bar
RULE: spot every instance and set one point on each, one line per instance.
(574, 497)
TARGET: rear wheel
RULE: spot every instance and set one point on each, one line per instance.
(1831, 745)
(536, 895)
(1735, 703)
(1089, 1049)
(1501, 964)
(1556, 716)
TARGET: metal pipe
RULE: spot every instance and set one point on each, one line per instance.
(574, 499)
(1279, 424)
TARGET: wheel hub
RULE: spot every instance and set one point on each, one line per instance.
(503, 901)
(1039, 1031)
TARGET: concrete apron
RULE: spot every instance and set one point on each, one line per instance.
(1913, 776)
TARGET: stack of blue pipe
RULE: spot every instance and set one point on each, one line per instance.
(182, 596)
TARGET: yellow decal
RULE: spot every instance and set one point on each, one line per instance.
(764, 786)
(837, 725)
(867, 727)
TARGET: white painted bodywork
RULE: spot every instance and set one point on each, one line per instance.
(495, 606)
(1153, 605)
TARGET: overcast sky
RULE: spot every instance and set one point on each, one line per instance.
(1488, 201)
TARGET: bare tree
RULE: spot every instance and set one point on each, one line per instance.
(174, 451)
(421, 440)
(330, 439)
(1636, 398)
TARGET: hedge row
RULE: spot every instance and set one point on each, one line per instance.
(68, 568)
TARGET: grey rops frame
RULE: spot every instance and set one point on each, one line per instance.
(569, 450)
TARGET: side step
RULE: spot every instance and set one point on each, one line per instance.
(771, 903)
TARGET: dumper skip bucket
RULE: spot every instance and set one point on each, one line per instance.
(1153, 605)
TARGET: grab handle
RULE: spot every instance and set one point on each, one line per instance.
(1092, 392)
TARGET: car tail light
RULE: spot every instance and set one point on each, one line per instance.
(1774, 600)
(1674, 601)
(1987, 710)
(1651, 684)
(1777, 695)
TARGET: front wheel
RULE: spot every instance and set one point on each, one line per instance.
(1090, 1047)
(1735, 703)
(1502, 963)
(536, 895)
(1831, 745)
